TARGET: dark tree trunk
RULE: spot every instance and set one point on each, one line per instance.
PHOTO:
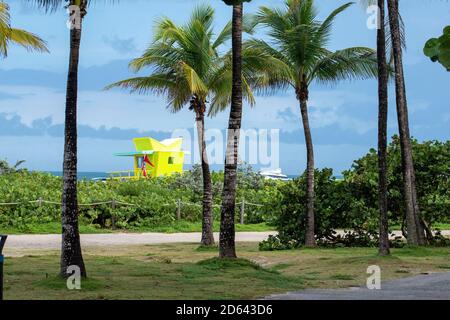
(207, 221)
(414, 225)
(227, 229)
(71, 254)
(382, 131)
(302, 95)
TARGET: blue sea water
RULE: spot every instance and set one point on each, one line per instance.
(83, 175)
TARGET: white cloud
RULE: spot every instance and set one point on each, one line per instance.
(144, 113)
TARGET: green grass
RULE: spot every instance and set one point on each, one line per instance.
(444, 266)
(183, 271)
(133, 279)
(342, 277)
(49, 228)
(441, 226)
(177, 226)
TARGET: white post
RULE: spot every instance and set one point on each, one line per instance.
(179, 209)
(242, 210)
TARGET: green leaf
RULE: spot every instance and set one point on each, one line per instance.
(438, 49)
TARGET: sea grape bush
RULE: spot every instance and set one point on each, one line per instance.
(151, 202)
(351, 203)
(438, 49)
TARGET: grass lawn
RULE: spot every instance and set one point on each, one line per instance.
(440, 226)
(184, 271)
(177, 226)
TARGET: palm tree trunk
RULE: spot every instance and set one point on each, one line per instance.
(382, 131)
(310, 240)
(227, 229)
(415, 229)
(71, 254)
(207, 223)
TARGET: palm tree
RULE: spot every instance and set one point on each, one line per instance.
(298, 43)
(415, 226)
(227, 230)
(188, 70)
(20, 37)
(382, 131)
(383, 78)
(71, 253)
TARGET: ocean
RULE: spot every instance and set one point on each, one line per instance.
(83, 175)
(92, 175)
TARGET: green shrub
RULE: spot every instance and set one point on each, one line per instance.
(139, 203)
(352, 203)
(274, 243)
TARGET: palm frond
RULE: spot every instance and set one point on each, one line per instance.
(266, 70)
(28, 40)
(324, 32)
(195, 83)
(347, 64)
(19, 37)
(54, 5)
(157, 83)
(298, 52)
(220, 86)
(184, 61)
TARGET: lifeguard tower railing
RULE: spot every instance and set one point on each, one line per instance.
(128, 174)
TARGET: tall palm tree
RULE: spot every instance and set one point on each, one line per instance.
(188, 69)
(383, 78)
(227, 230)
(382, 131)
(71, 253)
(415, 227)
(298, 42)
(19, 37)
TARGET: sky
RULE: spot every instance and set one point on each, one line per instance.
(343, 116)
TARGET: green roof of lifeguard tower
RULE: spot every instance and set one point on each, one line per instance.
(149, 145)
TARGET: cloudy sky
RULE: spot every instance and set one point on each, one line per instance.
(343, 117)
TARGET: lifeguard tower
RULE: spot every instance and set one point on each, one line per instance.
(153, 158)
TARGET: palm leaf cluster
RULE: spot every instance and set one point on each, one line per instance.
(19, 37)
(298, 47)
(186, 62)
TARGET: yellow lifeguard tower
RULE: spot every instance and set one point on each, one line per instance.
(153, 158)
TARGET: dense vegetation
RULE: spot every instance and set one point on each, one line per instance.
(142, 203)
(351, 203)
(348, 203)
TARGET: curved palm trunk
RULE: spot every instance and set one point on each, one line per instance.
(207, 223)
(415, 230)
(310, 241)
(382, 132)
(71, 248)
(227, 229)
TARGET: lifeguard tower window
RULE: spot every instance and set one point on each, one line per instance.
(171, 160)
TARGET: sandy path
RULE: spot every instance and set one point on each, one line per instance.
(18, 243)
